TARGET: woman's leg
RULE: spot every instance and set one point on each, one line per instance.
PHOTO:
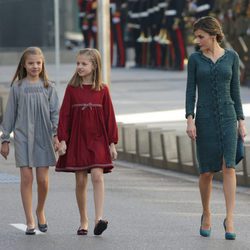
(81, 197)
(42, 178)
(229, 187)
(98, 187)
(205, 185)
(26, 194)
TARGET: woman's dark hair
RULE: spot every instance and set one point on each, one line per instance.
(211, 26)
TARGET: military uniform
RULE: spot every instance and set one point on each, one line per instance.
(87, 22)
(134, 28)
(175, 28)
(117, 32)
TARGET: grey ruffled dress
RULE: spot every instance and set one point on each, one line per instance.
(217, 109)
(32, 114)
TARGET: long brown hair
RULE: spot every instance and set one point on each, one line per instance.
(21, 71)
(211, 26)
(95, 58)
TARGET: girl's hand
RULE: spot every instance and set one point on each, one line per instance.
(113, 152)
(62, 148)
(191, 128)
(56, 143)
(5, 149)
(242, 129)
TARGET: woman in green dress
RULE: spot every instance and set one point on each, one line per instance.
(219, 119)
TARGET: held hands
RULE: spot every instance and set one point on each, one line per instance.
(113, 152)
(191, 128)
(62, 148)
(5, 149)
(242, 129)
(56, 143)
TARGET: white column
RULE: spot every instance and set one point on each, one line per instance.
(57, 40)
(103, 36)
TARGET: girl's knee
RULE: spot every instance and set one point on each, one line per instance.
(43, 182)
(81, 185)
(81, 179)
(26, 176)
(27, 180)
(97, 177)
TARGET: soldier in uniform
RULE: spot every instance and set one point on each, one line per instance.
(117, 32)
(160, 43)
(87, 22)
(175, 28)
(203, 7)
(156, 14)
(82, 6)
(133, 25)
(144, 30)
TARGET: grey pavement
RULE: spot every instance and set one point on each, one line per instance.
(147, 208)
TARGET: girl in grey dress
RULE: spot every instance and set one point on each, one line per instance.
(32, 114)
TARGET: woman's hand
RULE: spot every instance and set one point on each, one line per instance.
(113, 152)
(242, 129)
(62, 148)
(191, 128)
(5, 149)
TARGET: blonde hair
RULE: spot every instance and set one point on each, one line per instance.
(95, 58)
(211, 26)
(21, 71)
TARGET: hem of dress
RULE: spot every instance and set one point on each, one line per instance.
(210, 171)
(107, 168)
(50, 166)
(230, 166)
(215, 170)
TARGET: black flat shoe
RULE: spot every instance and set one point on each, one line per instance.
(82, 231)
(42, 227)
(30, 231)
(100, 227)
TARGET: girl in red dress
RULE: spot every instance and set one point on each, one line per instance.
(87, 132)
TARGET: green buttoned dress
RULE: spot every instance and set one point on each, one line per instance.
(218, 108)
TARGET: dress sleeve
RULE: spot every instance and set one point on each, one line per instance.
(109, 118)
(191, 87)
(63, 130)
(54, 109)
(10, 115)
(235, 88)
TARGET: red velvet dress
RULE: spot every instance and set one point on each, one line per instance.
(87, 124)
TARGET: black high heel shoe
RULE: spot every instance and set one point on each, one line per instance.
(228, 235)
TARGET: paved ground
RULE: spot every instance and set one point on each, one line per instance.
(146, 208)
